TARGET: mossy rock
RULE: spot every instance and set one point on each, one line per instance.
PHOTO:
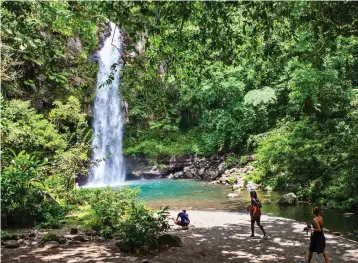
(52, 237)
(9, 236)
(169, 240)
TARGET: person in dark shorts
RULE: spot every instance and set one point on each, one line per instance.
(184, 219)
(318, 240)
(255, 213)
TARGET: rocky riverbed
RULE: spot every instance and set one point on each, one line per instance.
(212, 237)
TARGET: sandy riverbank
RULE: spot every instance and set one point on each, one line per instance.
(212, 237)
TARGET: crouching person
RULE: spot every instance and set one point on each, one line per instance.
(182, 219)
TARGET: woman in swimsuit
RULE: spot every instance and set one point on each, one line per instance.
(318, 240)
(255, 213)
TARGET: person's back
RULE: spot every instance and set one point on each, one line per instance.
(318, 240)
(184, 219)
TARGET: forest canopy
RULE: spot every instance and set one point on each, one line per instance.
(276, 79)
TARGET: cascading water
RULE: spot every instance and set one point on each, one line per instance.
(107, 124)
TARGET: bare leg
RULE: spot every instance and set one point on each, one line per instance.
(309, 258)
(326, 258)
(260, 226)
(252, 227)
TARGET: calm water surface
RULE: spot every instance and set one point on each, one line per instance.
(199, 195)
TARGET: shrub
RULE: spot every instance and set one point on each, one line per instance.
(117, 211)
(243, 160)
(5, 235)
(24, 129)
(162, 166)
(172, 144)
(307, 156)
(255, 176)
(53, 215)
(230, 161)
(24, 199)
(106, 232)
(232, 180)
(108, 206)
(79, 196)
(141, 227)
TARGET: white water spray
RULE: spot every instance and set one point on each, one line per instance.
(107, 124)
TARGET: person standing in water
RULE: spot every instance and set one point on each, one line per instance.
(255, 213)
(318, 240)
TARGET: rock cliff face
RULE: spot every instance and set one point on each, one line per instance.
(184, 167)
(74, 47)
(188, 167)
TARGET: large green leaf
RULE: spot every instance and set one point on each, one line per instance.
(260, 96)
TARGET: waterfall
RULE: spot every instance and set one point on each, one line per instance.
(107, 123)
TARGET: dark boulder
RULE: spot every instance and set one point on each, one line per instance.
(124, 247)
(11, 244)
(80, 238)
(287, 199)
(169, 240)
(32, 233)
(74, 231)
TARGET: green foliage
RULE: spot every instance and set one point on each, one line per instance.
(225, 119)
(54, 215)
(81, 196)
(232, 179)
(278, 54)
(325, 93)
(257, 176)
(71, 163)
(23, 196)
(21, 186)
(7, 235)
(265, 95)
(70, 121)
(243, 160)
(51, 237)
(39, 62)
(108, 205)
(173, 144)
(80, 215)
(207, 77)
(64, 138)
(162, 166)
(230, 161)
(318, 153)
(24, 129)
(117, 211)
(141, 227)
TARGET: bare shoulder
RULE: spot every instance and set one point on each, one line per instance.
(314, 221)
(320, 220)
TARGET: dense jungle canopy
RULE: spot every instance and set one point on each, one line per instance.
(274, 79)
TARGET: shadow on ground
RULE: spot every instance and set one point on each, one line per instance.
(231, 243)
(216, 240)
